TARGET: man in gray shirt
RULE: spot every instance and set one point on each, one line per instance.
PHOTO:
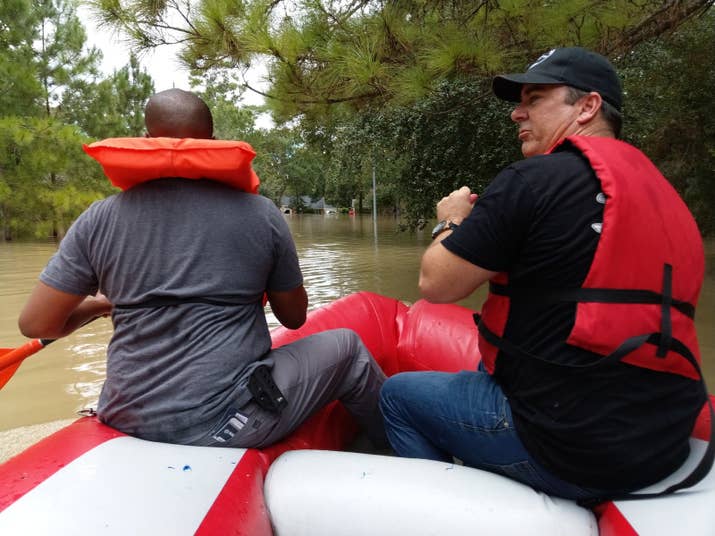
(182, 266)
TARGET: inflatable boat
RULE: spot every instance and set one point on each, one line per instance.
(89, 479)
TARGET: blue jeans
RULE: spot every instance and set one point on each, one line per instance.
(439, 415)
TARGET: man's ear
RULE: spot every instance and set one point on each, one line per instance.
(590, 105)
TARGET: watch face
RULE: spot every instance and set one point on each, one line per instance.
(437, 228)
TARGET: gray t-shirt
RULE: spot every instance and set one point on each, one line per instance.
(173, 369)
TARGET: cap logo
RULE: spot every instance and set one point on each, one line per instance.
(541, 59)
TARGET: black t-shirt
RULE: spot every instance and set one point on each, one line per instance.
(618, 427)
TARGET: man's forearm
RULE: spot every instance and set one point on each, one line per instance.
(51, 314)
(90, 308)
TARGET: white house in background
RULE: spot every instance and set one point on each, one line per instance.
(287, 202)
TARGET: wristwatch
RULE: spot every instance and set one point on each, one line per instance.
(442, 226)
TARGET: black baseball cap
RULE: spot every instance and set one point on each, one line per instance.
(570, 66)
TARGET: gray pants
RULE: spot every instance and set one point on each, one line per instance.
(310, 372)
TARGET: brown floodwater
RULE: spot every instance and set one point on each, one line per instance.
(339, 255)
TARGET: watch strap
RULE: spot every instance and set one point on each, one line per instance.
(442, 226)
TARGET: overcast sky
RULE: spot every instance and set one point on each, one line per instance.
(162, 63)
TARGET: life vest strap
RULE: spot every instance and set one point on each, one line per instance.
(514, 350)
(696, 475)
(666, 326)
(598, 295)
(628, 346)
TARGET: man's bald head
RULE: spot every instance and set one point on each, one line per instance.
(176, 113)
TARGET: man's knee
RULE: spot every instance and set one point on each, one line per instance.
(351, 347)
(349, 338)
(394, 391)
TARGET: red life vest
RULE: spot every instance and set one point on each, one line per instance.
(638, 300)
(131, 161)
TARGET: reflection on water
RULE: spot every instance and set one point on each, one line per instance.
(89, 362)
(338, 254)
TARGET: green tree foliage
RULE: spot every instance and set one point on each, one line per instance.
(287, 165)
(402, 87)
(669, 84)
(322, 52)
(285, 162)
(60, 51)
(52, 100)
(20, 88)
(46, 180)
(44, 197)
(111, 106)
(358, 148)
(222, 94)
(459, 135)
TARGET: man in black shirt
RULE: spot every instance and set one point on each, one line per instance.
(547, 407)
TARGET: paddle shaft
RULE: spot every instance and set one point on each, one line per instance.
(9, 356)
(11, 359)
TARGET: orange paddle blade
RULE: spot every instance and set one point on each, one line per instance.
(7, 372)
(11, 358)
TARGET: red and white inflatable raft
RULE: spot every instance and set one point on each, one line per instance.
(90, 479)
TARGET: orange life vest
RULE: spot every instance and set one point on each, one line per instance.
(131, 161)
(638, 300)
